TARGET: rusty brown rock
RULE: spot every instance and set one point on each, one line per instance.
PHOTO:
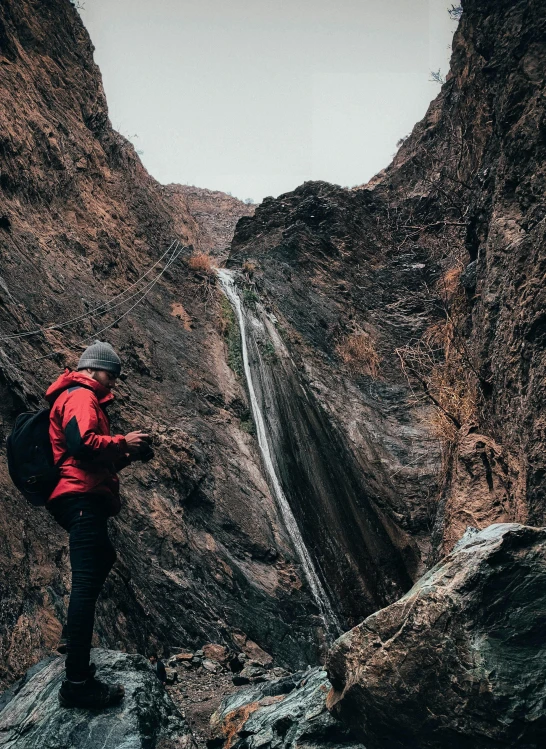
(217, 653)
(486, 488)
(215, 213)
(182, 657)
(252, 649)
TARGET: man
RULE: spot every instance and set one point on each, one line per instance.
(159, 667)
(85, 496)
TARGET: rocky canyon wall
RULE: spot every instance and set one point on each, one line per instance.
(405, 394)
(413, 304)
(215, 213)
(202, 553)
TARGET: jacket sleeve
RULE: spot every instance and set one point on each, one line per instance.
(80, 422)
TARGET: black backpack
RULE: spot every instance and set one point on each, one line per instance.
(30, 457)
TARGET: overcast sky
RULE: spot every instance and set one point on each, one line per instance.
(254, 97)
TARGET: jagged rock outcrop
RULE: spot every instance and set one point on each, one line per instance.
(286, 714)
(31, 718)
(214, 212)
(202, 554)
(458, 661)
(473, 174)
(413, 305)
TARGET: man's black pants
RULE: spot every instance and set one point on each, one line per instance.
(91, 559)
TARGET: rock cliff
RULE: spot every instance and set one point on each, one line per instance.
(215, 213)
(397, 340)
(470, 181)
(202, 553)
(413, 304)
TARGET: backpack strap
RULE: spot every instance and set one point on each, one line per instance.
(65, 457)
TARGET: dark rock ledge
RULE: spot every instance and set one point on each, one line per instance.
(31, 717)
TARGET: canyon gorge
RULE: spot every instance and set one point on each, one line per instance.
(346, 393)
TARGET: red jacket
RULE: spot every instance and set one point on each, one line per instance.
(80, 437)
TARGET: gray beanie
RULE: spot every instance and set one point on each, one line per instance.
(100, 355)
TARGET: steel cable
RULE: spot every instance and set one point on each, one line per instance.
(105, 306)
(176, 253)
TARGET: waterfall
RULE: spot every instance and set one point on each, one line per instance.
(328, 615)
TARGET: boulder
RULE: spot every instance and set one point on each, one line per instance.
(184, 656)
(285, 714)
(277, 672)
(252, 650)
(31, 717)
(460, 660)
(253, 671)
(212, 666)
(217, 653)
(171, 674)
(239, 680)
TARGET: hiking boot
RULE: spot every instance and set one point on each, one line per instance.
(91, 694)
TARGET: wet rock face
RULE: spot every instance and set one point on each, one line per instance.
(286, 714)
(325, 265)
(365, 561)
(146, 719)
(461, 659)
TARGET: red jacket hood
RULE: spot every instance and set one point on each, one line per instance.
(70, 379)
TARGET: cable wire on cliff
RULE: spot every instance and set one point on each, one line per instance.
(174, 256)
(96, 310)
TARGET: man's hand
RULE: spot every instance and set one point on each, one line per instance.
(136, 441)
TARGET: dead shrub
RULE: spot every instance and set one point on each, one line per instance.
(445, 380)
(248, 267)
(358, 352)
(449, 282)
(204, 267)
(201, 262)
(439, 364)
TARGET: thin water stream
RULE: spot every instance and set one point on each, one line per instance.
(329, 617)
